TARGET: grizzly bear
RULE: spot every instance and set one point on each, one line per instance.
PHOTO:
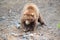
(30, 16)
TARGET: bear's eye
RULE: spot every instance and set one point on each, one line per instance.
(32, 15)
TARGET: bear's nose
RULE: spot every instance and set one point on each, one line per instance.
(27, 22)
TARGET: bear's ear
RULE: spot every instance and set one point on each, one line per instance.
(25, 12)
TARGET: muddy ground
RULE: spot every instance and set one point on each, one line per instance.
(10, 12)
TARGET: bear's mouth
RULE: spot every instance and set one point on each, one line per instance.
(30, 26)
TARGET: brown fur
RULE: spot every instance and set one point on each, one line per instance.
(31, 13)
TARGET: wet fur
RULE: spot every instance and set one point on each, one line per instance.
(31, 13)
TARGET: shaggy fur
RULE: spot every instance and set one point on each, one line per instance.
(30, 16)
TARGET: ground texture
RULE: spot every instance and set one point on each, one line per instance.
(10, 12)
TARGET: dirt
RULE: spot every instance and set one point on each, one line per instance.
(10, 12)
